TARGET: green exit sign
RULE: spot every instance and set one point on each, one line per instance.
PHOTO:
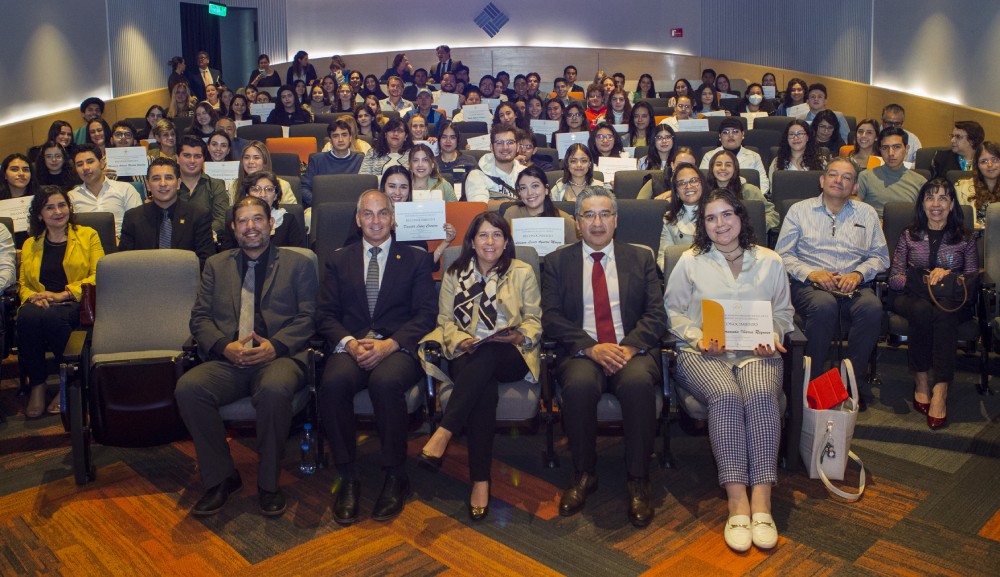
(217, 9)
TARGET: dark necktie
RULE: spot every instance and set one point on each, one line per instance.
(247, 304)
(602, 302)
(371, 280)
(166, 230)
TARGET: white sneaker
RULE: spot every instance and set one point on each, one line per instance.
(738, 534)
(765, 533)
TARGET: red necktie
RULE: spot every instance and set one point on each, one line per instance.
(602, 302)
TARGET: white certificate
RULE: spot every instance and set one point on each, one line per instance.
(420, 220)
(17, 210)
(609, 165)
(476, 113)
(797, 110)
(747, 323)
(262, 109)
(432, 145)
(542, 233)
(620, 128)
(240, 123)
(726, 96)
(127, 161)
(546, 127)
(769, 92)
(693, 125)
(713, 113)
(226, 171)
(479, 142)
(448, 101)
(492, 103)
(566, 139)
(424, 195)
(750, 116)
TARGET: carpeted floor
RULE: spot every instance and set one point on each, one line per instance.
(931, 508)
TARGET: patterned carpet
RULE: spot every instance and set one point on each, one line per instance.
(931, 508)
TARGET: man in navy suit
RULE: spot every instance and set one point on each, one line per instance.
(143, 227)
(202, 76)
(602, 302)
(376, 302)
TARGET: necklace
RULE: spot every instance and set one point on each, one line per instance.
(734, 259)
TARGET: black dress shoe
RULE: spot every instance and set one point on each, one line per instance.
(390, 503)
(272, 504)
(479, 513)
(345, 506)
(216, 497)
(640, 502)
(432, 464)
(575, 497)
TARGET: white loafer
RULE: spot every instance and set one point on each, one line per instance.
(738, 534)
(765, 533)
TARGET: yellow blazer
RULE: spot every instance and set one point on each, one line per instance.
(83, 250)
(518, 299)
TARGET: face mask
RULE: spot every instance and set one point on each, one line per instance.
(755, 99)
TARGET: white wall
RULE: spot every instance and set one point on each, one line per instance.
(944, 50)
(323, 28)
(51, 56)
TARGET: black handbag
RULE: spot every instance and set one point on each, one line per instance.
(949, 294)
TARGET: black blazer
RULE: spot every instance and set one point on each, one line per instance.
(192, 229)
(197, 83)
(643, 315)
(438, 70)
(407, 305)
(944, 160)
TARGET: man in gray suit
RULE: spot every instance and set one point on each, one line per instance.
(252, 321)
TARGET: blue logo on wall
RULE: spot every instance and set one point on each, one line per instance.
(491, 20)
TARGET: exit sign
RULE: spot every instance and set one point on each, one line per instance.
(217, 9)
(674, 32)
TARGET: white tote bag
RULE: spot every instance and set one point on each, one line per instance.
(825, 444)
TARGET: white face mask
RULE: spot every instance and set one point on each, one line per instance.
(755, 99)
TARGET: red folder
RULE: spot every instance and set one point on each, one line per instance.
(826, 390)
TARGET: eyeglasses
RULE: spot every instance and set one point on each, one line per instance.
(957, 137)
(731, 132)
(122, 134)
(590, 215)
(604, 136)
(891, 124)
(260, 189)
(662, 137)
(796, 135)
(982, 161)
(526, 146)
(573, 115)
(691, 183)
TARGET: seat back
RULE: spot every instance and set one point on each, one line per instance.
(285, 164)
(341, 187)
(295, 183)
(332, 225)
(925, 155)
(776, 123)
(714, 122)
(762, 140)
(313, 129)
(134, 372)
(697, 141)
(471, 127)
(640, 221)
(758, 220)
(459, 215)
(794, 185)
(302, 146)
(325, 118)
(954, 176)
(104, 224)
(629, 182)
(751, 176)
(259, 132)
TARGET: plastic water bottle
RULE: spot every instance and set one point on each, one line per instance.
(307, 466)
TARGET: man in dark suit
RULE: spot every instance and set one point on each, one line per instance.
(202, 76)
(377, 301)
(445, 63)
(167, 222)
(603, 303)
(252, 320)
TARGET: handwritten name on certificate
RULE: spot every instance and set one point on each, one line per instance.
(17, 210)
(542, 233)
(566, 139)
(420, 220)
(609, 165)
(127, 161)
(546, 127)
(477, 113)
(744, 324)
(227, 171)
(479, 142)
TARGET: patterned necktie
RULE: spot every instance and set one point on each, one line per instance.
(371, 280)
(206, 76)
(166, 230)
(247, 304)
(602, 302)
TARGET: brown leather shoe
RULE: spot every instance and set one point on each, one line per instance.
(640, 502)
(574, 498)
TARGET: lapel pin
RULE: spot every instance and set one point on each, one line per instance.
(398, 257)
(182, 221)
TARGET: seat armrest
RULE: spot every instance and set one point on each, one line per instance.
(74, 347)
